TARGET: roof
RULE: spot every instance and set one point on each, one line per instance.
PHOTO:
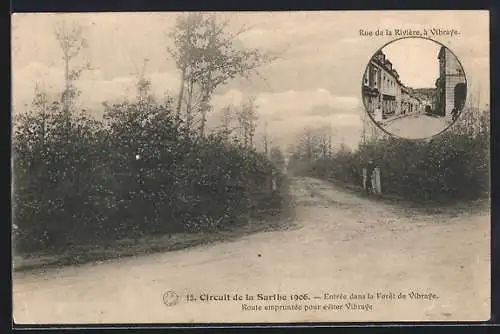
(392, 71)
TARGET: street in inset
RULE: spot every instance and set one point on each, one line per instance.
(415, 92)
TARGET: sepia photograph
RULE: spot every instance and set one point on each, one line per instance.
(414, 97)
(250, 167)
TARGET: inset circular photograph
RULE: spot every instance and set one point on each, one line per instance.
(414, 88)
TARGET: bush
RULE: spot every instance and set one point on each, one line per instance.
(77, 180)
(452, 166)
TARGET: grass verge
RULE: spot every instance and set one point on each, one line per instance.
(423, 206)
(91, 253)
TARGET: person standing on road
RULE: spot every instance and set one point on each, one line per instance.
(370, 167)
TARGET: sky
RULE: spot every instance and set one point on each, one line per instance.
(416, 61)
(315, 81)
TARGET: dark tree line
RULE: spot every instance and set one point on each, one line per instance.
(451, 166)
(134, 173)
(143, 169)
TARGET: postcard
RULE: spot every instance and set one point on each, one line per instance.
(250, 167)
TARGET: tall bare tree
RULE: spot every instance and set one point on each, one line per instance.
(187, 45)
(306, 144)
(266, 140)
(72, 42)
(323, 137)
(143, 84)
(207, 57)
(277, 158)
(315, 142)
(226, 118)
(247, 120)
(330, 144)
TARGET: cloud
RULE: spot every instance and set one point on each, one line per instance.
(323, 110)
(301, 102)
(327, 111)
(287, 113)
(317, 77)
(230, 97)
(25, 80)
(94, 88)
(297, 107)
(346, 128)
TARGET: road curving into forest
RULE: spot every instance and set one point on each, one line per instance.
(342, 246)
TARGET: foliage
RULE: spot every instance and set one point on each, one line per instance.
(72, 42)
(79, 180)
(277, 158)
(142, 169)
(208, 56)
(452, 166)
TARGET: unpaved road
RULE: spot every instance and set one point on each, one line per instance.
(342, 244)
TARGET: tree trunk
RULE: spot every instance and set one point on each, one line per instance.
(189, 116)
(245, 136)
(181, 93)
(204, 107)
(65, 98)
(266, 148)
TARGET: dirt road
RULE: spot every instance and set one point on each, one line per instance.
(343, 244)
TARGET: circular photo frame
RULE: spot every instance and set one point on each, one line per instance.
(414, 88)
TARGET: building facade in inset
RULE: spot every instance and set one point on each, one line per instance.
(371, 87)
(415, 105)
(383, 89)
(405, 100)
(389, 87)
(451, 84)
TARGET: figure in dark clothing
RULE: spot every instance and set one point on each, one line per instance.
(370, 167)
(454, 114)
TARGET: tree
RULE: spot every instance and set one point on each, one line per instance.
(72, 42)
(55, 155)
(143, 85)
(41, 104)
(313, 143)
(207, 57)
(305, 144)
(330, 134)
(266, 140)
(186, 39)
(277, 158)
(247, 118)
(226, 119)
(323, 139)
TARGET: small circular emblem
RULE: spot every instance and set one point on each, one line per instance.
(170, 298)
